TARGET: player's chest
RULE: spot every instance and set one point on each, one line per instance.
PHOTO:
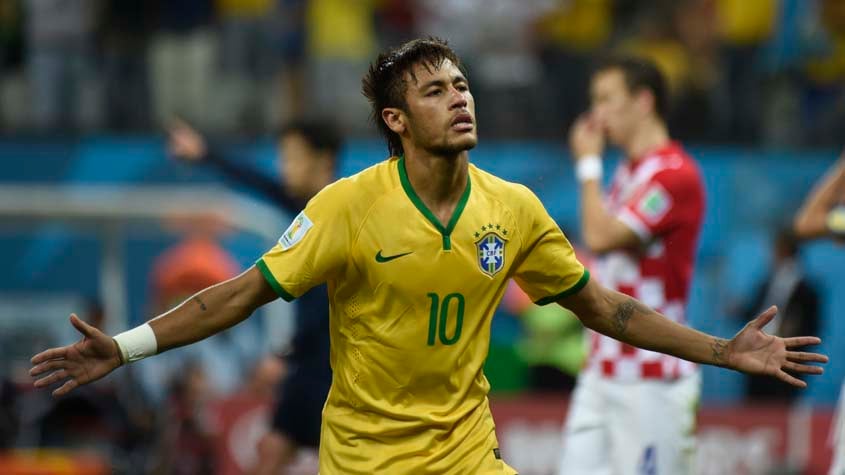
(402, 247)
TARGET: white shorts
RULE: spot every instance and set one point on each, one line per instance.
(636, 428)
(837, 437)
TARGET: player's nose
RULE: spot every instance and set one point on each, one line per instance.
(459, 101)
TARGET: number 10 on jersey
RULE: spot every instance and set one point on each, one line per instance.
(438, 319)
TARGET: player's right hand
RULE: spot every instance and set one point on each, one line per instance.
(87, 360)
(586, 137)
(184, 142)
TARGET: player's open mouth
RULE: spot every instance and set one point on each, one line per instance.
(462, 123)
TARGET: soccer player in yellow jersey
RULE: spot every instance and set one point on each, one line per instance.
(417, 251)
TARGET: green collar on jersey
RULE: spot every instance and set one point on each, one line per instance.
(446, 232)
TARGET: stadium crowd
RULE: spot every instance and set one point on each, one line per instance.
(742, 71)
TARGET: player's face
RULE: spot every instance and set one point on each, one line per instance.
(299, 162)
(613, 105)
(441, 110)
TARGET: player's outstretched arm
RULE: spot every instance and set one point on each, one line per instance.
(206, 313)
(750, 351)
(812, 219)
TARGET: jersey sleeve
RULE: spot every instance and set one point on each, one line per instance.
(547, 268)
(313, 249)
(659, 205)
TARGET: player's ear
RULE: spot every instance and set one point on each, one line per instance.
(645, 101)
(394, 118)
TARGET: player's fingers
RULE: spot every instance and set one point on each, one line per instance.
(580, 122)
(764, 318)
(801, 341)
(65, 388)
(176, 123)
(788, 379)
(51, 379)
(47, 366)
(51, 354)
(82, 327)
(801, 356)
(802, 368)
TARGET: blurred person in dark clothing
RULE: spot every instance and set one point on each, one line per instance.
(823, 216)
(787, 287)
(307, 158)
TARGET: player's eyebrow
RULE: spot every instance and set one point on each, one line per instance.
(458, 78)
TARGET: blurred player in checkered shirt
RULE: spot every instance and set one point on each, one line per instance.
(633, 410)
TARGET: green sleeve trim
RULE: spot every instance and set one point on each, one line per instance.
(570, 291)
(265, 271)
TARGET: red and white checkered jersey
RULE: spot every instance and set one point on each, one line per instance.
(661, 198)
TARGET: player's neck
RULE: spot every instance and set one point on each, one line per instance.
(650, 137)
(439, 181)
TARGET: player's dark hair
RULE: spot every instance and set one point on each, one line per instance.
(322, 135)
(384, 84)
(640, 73)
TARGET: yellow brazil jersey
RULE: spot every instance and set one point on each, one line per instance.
(411, 303)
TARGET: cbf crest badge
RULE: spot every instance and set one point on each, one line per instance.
(491, 253)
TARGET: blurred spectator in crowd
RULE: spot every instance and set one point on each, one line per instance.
(396, 22)
(185, 442)
(744, 26)
(569, 36)
(655, 38)
(694, 115)
(289, 46)
(63, 79)
(798, 309)
(192, 264)
(246, 61)
(182, 56)
(341, 41)
(11, 62)
(497, 38)
(824, 100)
(126, 29)
(552, 345)
(307, 158)
(11, 36)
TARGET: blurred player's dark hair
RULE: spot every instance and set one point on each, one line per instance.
(640, 73)
(384, 84)
(322, 135)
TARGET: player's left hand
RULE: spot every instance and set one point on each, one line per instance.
(756, 352)
(586, 137)
(85, 361)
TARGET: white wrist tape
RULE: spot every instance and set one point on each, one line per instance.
(137, 343)
(589, 168)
